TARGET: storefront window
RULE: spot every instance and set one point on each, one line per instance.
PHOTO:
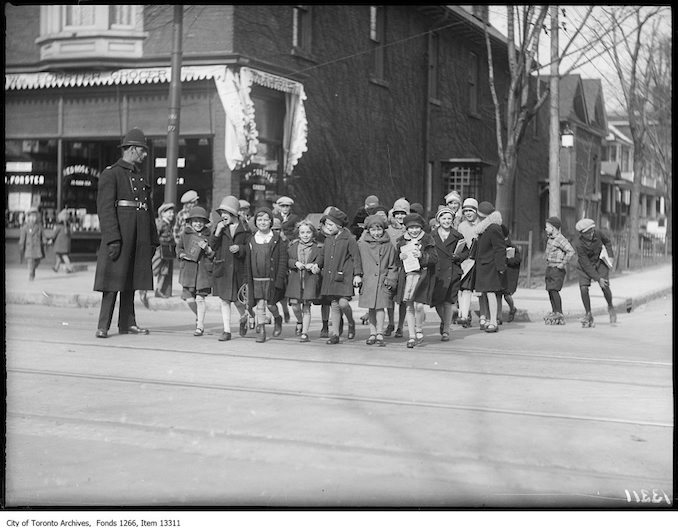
(30, 179)
(194, 169)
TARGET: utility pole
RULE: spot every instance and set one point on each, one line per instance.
(554, 121)
(174, 108)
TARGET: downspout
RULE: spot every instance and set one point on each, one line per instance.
(428, 176)
(60, 152)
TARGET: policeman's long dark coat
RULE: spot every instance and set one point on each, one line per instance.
(134, 229)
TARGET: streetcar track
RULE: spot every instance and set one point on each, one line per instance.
(336, 397)
(393, 451)
(467, 351)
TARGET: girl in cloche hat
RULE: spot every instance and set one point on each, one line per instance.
(195, 267)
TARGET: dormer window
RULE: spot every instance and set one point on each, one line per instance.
(80, 32)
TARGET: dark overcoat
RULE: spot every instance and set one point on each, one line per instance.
(303, 285)
(341, 262)
(588, 254)
(512, 269)
(423, 293)
(229, 268)
(197, 275)
(448, 271)
(32, 240)
(288, 225)
(491, 259)
(380, 263)
(133, 228)
(277, 270)
(62, 238)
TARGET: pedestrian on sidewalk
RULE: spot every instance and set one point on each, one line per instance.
(490, 279)
(266, 272)
(305, 261)
(395, 230)
(342, 271)
(467, 229)
(452, 249)
(61, 239)
(380, 275)
(229, 240)
(128, 235)
(594, 261)
(32, 241)
(166, 253)
(513, 260)
(196, 265)
(416, 275)
(558, 253)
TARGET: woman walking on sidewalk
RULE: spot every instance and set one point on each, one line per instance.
(594, 261)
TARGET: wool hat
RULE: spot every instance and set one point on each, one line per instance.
(414, 219)
(284, 200)
(453, 196)
(470, 204)
(189, 196)
(401, 205)
(337, 216)
(379, 208)
(263, 210)
(135, 137)
(244, 204)
(418, 208)
(198, 212)
(485, 209)
(371, 202)
(164, 207)
(555, 221)
(375, 219)
(444, 210)
(230, 204)
(585, 225)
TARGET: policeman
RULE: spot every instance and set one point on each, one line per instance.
(128, 235)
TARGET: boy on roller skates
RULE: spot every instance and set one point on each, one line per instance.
(558, 252)
(594, 260)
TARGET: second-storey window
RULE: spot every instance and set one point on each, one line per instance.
(79, 16)
(377, 36)
(473, 84)
(301, 28)
(121, 16)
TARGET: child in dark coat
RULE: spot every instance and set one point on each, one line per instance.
(342, 271)
(61, 239)
(266, 270)
(305, 260)
(513, 260)
(32, 241)
(195, 267)
(416, 277)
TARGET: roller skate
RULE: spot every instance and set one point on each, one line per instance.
(550, 318)
(613, 315)
(587, 321)
(559, 319)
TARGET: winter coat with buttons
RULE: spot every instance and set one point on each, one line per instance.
(133, 228)
(342, 262)
(380, 264)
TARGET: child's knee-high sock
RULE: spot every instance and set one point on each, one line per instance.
(201, 306)
(226, 315)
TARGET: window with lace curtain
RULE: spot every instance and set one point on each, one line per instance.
(465, 179)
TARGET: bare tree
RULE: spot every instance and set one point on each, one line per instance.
(631, 47)
(525, 27)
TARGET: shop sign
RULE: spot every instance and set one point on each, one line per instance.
(80, 170)
(163, 180)
(261, 175)
(25, 179)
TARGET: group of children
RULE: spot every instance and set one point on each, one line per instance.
(33, 239)
(390, 259)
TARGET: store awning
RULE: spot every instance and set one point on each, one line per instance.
(233, 86)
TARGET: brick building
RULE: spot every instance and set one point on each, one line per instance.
(327, 104)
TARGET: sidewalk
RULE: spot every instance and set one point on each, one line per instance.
(75, 290)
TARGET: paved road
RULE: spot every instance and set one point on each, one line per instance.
(532, 416)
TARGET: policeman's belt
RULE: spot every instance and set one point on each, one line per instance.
(129, 203)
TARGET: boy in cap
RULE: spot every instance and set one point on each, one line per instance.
(288, 219)
(594, 260)
(558, 253)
